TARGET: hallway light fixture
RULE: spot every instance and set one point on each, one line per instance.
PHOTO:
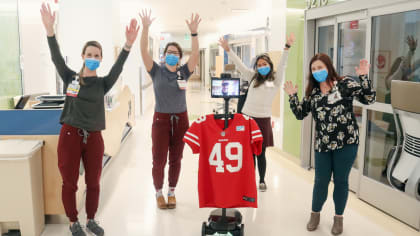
(237, 10)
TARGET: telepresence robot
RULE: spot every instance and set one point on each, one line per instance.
(224, 221)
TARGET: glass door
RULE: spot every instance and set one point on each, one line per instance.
(394, 56)
(351, 48)
(325, 43)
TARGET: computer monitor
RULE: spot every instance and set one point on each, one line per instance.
(225, 88)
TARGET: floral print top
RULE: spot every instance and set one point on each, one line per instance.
(333, 113)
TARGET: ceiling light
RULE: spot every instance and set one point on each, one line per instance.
(239, 10)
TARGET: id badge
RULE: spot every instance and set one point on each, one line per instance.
(182, 84)
(334, 97)
(269, 84)
(73, 89)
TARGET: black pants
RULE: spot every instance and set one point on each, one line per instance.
(262, 165)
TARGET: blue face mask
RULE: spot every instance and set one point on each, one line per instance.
(92, 64)
(320, 75)
(171, 59)
(264, 70)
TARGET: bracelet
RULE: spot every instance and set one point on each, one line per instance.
(127, 47)
(194, 35)
(287, 45)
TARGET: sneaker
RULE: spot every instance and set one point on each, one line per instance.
(76, 230)
(171, 202)
(161, 203)
(263, 187)
(94, 228)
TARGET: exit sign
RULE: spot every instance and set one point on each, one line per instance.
(317, 3)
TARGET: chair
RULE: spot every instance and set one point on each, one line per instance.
(403, 170)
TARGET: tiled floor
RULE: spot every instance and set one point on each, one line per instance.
(128, 206)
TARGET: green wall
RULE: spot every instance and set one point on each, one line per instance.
(294, 73)
(10, 74)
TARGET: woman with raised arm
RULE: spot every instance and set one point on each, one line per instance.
(83, 119)
(264, 83)
(170, 121)
(329, 98)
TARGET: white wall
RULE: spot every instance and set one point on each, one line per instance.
(38, 70)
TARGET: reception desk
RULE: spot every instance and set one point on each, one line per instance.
(44, 125)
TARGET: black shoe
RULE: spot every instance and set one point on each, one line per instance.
(263, 187)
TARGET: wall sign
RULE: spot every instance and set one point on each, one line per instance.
(317, 3)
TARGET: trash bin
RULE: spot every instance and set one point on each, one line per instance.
(21, 198)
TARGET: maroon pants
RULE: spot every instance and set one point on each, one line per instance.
(73, 145)
(167, 133)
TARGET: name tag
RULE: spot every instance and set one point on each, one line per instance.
(334, 97)
(269, 84)
(182, 84)
(73, 89)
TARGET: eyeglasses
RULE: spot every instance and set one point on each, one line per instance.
(173, 52)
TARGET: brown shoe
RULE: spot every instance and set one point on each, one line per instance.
(313, 221)
(161, 203)
(171, 202)
(337, 228)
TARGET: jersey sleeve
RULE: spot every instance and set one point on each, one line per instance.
(192, 137)
(256, 137)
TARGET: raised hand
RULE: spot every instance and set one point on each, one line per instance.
(224, 44)
(193, 23)
(289, 88)
(291, 39)
(146, 19)
(363, 68)
(48, 18)
(411, 43)
(131, 32)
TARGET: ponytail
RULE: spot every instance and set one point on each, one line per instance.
(81, 80)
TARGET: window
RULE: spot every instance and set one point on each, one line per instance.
(379, 141)
(351, 47)
(394, 55)
(326, 40)
(243, 52)
(10, 72)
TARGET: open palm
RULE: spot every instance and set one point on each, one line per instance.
(291, 39)
(224, 44)
(146, 19)
(48, 18)
(193, 23)
(289, 88)
(363, 68)
(131, 32)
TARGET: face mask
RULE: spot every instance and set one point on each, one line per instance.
(171, 59)
(264, 70)
(320, 75)
(92, 64)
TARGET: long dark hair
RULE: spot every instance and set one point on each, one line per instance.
(259, 79)
(87, 44)
(332, 73)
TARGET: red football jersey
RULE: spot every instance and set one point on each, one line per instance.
(226, 174)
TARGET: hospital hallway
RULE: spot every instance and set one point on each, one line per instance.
(128, 207)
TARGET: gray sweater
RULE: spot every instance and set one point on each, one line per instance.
(87, 110)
